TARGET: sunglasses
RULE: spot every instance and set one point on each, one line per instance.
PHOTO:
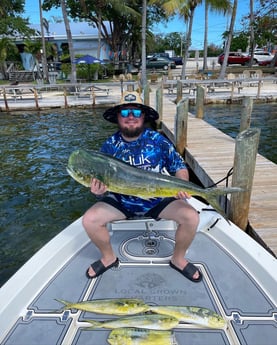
(126, 112)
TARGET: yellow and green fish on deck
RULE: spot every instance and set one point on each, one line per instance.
(203, 317)
(195, 315)
(137, 336)
(147, 321)
(116, 306)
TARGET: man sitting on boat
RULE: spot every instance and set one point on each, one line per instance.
(146, 149)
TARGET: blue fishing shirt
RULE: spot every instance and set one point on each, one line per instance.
(151, 151)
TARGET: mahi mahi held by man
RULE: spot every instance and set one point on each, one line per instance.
(120, 177)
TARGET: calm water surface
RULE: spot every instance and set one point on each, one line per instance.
(38, 198)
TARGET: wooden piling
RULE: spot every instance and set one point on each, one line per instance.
(93, 95)
(243, 174)
(146, 96)
(159, 103)
(181, 125)
(36, 98)
(65, 97)
(179, 91)
(246, 111)
(5, 100)
(200, 99)
(259, 88)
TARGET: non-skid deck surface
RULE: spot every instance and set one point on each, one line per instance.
(144, 273)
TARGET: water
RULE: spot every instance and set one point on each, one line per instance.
(38, 198)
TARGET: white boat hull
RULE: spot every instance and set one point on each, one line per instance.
(240, 284)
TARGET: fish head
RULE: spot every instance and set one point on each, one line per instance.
(216, 321)
(77, 175)
(79, 169)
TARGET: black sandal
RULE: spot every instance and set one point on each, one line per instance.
(188, 272)
(99, 268)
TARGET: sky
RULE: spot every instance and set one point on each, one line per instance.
(217, 24)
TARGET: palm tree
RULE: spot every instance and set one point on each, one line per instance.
(221, 6)
(143, 44)
(73, 77)
(228, 41)
(43, 55)
(186, 9)
(252, 36)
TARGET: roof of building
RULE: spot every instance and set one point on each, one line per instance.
(78, 29)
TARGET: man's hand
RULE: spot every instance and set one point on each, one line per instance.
(97, 187)
(183, 195)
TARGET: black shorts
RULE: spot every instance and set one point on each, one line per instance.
(152, 213)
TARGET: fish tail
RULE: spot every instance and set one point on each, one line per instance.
(93, 324)
(67, 304)
(214, 193)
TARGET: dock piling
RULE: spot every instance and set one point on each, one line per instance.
(244, 167)
(179, 91)
(247, 106)
(181, 125)
(159, 103)
(200, 99)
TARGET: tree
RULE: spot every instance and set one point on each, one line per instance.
(43, 55)
(119, 23)
(11, 19)
(6, 45)
(220, 6)
(143, 45)
(185, 9)
(47, 5)
(229, 39)
(73, 77)
(261, 24)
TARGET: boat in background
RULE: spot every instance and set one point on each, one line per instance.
(239, 283)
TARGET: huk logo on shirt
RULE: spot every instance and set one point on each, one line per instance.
(139, 161)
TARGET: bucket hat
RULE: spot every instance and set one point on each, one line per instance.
(131, 98)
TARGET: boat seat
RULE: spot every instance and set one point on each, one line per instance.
(141, 223)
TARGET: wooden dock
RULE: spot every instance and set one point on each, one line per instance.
(210, 154)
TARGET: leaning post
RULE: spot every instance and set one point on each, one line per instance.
(5, 99)
(146, 92)
(200, 98)
(36, 98)
(246, 111)
(159, 104)
(93, 97)
(181, 125)
(65, 97)
(244, 167)
(179, 91)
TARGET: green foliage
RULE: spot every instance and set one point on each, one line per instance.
(123, 18)
(66, 69)
(214, 50)
(11, 19)
(89, 71)
(239, 42)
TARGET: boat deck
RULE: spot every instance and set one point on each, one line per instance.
(144, 247)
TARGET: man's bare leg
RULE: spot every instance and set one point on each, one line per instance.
(187, 219)
(94, 222)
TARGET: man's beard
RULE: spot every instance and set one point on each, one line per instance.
(132, 132)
